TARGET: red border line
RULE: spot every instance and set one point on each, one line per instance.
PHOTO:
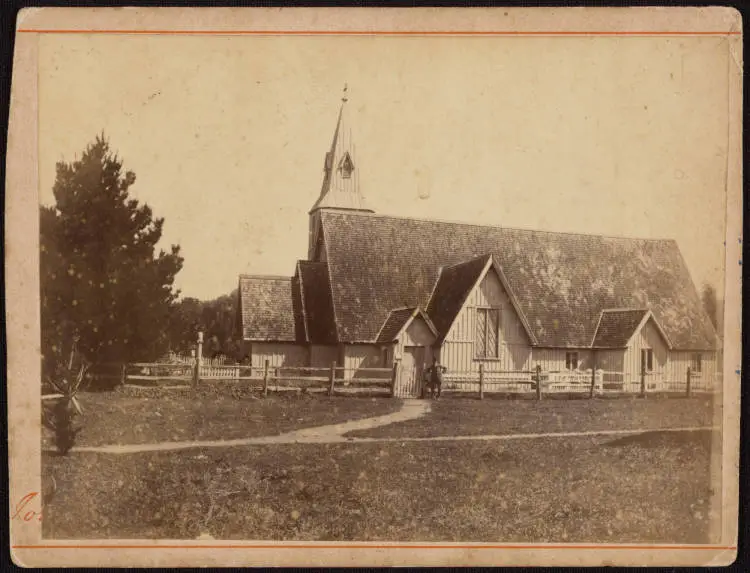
(345, 546)
(381, 32)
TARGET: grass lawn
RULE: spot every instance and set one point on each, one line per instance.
(469, 416)
(652, 487)
(119, 418)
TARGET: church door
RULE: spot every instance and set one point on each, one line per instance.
(410, 372)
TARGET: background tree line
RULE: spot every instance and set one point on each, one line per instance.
(216, 318)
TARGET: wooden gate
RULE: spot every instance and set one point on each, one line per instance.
(410, 373)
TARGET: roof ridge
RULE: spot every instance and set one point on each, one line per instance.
(271, 277)
(308, 262)
(471, 260)
(491, 226)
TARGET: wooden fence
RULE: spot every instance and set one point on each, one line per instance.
(539, 382)
(334, 378)
(331, 379)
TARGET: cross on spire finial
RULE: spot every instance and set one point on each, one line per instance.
(344, 98)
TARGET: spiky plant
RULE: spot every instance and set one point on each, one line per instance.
(67, 380)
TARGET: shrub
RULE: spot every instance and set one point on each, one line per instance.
(67, 379)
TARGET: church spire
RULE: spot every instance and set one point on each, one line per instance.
(340, 189)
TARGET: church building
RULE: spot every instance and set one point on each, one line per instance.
(379, 288)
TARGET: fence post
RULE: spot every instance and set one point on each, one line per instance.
(198, 359)
(481, 381)
(265, 378)
(643, 378)
(123, 374)
(332, 378)
(688, 381)
(593, 382)
(394, 374)
(276, 377)
(196, 370)
(538, 382)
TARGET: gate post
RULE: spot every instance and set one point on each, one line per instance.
(688, 381)
(394, 374)
(481, 381)
(265, 378)
(643, 378)
(332, 378)
(538, 382)
(194, 356)
(198, 359)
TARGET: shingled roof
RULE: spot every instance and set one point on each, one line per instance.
(270, 309)
(398, 320)
(617, 326)
(560, 281)
(453, 287)
(317, 305)
(394, 323)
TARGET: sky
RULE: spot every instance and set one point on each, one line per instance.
(623, 136)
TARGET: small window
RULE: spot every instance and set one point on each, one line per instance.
(697, 363)
(487, 333)
(571, 360)
(647, 359)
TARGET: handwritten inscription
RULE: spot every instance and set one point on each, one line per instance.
(28, 508)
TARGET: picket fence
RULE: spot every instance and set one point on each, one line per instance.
(598, 382)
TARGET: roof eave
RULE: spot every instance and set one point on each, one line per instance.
(513, 300)
(646, 317)
(337, 335)
(300, 281)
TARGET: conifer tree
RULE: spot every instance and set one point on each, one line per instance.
(102, 279)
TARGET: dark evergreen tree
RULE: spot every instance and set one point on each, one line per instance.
(102, 279)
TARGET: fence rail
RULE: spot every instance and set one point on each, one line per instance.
(334, 378)
(593, 383)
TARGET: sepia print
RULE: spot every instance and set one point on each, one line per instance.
(400, 287)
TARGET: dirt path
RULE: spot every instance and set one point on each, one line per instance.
(329, 434)
(335, 434)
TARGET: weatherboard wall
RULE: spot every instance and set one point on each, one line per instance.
(278, 354)
(647, 338)
(458, 351)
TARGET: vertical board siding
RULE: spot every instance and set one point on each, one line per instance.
(279, 355)
(553, 359)
(648, 337)
(322, 356)
(362, 356)
(457, 352)
(709, 377)
(418, 334)
(610, 360)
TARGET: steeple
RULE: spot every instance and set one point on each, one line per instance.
(340, 190)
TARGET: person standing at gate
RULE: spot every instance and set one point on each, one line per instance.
(435, 377)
